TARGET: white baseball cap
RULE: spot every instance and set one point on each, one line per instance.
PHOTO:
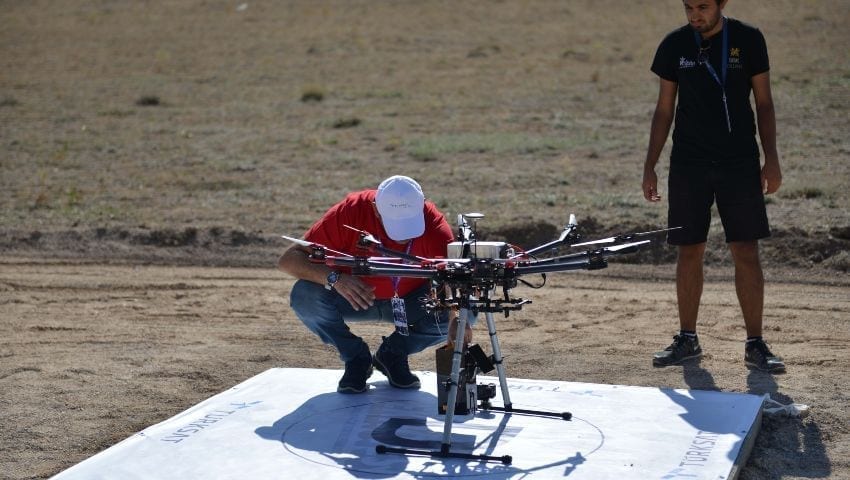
(401, 203)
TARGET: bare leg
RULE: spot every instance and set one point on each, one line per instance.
(749, 283)
(689, 281)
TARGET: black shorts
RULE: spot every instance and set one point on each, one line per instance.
(736, 188)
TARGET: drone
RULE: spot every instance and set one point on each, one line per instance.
(478, 277)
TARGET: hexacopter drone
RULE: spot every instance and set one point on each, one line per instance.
(468, 280)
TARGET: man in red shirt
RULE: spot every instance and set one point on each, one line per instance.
(324, 299)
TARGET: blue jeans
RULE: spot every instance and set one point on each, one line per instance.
(325, 313)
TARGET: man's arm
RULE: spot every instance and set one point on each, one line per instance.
(662, 119)
(295, 262)
(771, 173)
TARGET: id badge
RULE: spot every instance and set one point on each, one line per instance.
(400, 316)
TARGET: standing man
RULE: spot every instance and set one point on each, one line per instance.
(325, 299)
(713, 64)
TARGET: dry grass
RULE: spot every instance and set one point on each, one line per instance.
(263, 117)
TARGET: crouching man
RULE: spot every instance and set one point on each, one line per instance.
(326, 299)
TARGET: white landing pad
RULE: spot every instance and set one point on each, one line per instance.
(291, 424)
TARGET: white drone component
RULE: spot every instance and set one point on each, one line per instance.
(479, 249)
(298, 241)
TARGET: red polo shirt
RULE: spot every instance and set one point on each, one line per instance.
(357, 210)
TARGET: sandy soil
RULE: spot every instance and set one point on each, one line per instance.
(92, 353)
(151, 152)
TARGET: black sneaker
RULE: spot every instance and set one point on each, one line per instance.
(394, 366)
(357, 371)
(758, 355)
(683, 348)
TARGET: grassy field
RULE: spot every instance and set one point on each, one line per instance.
(203, 114)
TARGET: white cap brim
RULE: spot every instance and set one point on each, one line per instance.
(405, 228)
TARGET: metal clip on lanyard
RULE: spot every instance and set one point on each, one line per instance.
(723, 67)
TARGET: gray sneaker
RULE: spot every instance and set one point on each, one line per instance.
(758, 355)
(683, 348)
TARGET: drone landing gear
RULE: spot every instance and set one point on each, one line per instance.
(446, 444)
(508, 410)
(444, 452)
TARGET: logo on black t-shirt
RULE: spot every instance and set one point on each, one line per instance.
(735, 58)
(685, 63)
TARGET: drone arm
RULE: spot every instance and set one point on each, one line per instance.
(586, 262)
(399, 271)
(564, 259)
(589, 260)
(543, 248)
(364, 266)
(569, 234)
(394, 253)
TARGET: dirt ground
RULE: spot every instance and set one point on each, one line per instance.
(92, 353)
(152, 152)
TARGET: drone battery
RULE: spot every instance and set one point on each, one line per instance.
(467, 389)
(478, 250)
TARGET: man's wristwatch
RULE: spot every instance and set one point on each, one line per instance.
(332, 279)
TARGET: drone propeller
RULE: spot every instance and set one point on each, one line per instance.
(626, 247)
(314, 246)
(394, 260)
(369, 239)
(624, 238)
(298, 241)
(588, 260)
(365, 236)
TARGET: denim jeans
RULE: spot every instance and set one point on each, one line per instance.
(326, 313)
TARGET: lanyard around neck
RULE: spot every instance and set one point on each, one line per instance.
(397, 280)
(721, 80)
(724, 62)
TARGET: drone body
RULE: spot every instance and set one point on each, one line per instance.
(467, 281)
(473, 269)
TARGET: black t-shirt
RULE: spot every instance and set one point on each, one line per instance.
(701, 133)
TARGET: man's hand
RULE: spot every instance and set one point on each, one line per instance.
(650, 185)
(771, 177)
(662, 119)
(358, 293)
